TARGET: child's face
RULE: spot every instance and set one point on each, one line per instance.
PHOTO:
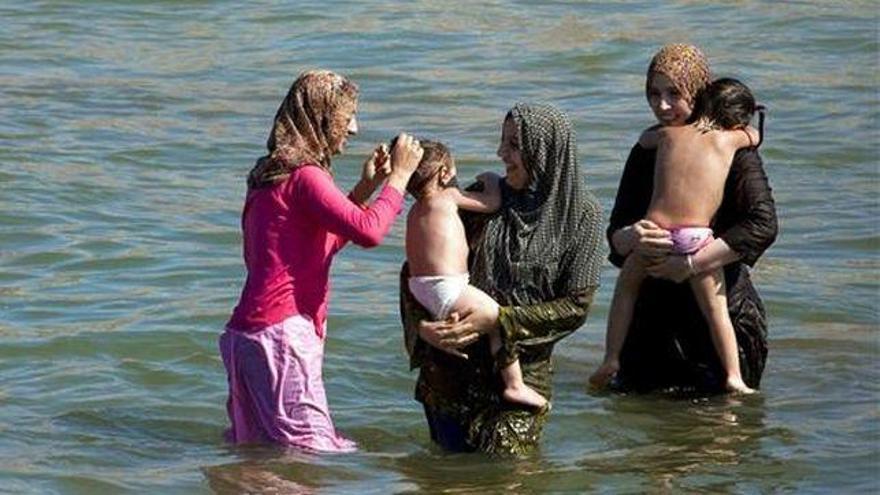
(510, 153)
(669, 104)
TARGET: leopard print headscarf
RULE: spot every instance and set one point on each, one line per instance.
(684, 65)
(309, 126)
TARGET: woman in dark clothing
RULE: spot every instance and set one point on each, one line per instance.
(538, 257)
(669, 345)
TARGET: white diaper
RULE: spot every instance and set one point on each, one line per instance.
(438, 293)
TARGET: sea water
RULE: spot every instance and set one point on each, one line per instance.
(126, 133)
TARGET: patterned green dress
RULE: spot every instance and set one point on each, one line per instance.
(538, 257)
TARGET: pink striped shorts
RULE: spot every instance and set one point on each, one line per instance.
(276, 389)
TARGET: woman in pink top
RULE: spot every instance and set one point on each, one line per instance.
(294, 221)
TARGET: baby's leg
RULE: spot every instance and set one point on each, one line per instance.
(515, 389)
(619, 317)
(711, 294)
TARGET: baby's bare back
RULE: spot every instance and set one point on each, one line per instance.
(435, 238)
(689, 176)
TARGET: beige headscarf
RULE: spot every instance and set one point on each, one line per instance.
(684, 65)
(309, 126)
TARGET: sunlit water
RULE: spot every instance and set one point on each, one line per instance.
(126, 131)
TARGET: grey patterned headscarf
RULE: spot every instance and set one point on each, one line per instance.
(535, 248)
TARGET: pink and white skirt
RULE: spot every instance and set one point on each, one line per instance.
(276, 389)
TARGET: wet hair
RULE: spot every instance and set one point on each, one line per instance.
(726, 103)
(436, 156)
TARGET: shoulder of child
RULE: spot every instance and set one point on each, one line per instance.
(444, 200)
(427, 207)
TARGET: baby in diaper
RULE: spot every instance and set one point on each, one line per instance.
(437, 251)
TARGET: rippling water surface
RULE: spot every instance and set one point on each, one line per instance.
(126, 130)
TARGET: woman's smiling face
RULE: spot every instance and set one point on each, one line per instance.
(510, 153)
(670, 105)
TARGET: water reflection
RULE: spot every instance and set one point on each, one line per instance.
(434, 471)
(266, 469)
(694, 445)
(125, 142)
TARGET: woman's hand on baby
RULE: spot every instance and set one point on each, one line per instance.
(405, 157)
(440, 334)
(460, 331)
(406, 154)
(378, 166)
(650, 240)
(674, 268)
(477, 319)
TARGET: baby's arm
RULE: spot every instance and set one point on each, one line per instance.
(650, 137)
(486, 201)
(745, 137)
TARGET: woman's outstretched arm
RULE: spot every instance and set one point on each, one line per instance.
(324, 202)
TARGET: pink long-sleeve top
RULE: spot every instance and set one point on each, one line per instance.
(291, 233)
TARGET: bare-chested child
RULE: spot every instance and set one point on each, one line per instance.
(437, 251)
(691, 168)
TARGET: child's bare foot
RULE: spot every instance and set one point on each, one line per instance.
(526, 396)
(737, 386)
(604, 374)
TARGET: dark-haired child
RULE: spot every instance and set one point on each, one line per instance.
(689, 175)
(437, 251)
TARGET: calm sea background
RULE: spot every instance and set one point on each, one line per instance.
(126, 132)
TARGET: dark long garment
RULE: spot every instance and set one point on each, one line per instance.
(538, 257)
(668, 345)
